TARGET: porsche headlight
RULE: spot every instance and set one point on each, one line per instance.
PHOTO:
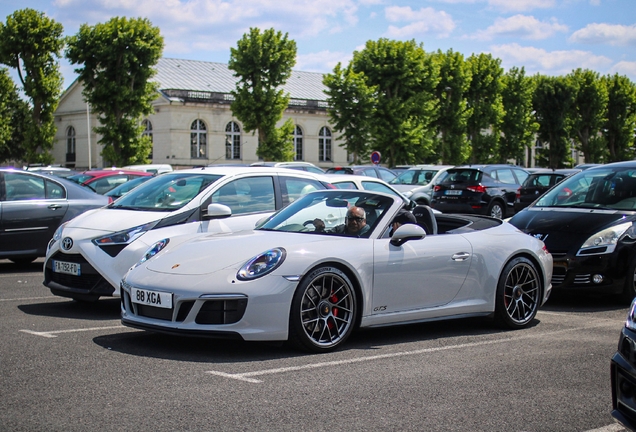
(124, 237)
(262, 264)
(630, 323)
(152, 251)
(605, 241)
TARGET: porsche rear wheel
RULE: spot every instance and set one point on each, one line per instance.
(323, 310)
(518, 294)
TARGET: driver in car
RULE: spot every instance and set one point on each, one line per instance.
(355, 224)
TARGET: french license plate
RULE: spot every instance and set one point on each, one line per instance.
(67, 268)
(453, 192)
(151, 298)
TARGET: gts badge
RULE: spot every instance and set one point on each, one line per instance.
(379, 308)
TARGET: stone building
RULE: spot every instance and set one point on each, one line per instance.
(192, 124)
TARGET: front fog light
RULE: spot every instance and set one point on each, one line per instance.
(597, 278)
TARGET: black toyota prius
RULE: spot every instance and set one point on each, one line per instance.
(587, 223)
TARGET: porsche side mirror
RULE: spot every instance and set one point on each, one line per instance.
(407, 232)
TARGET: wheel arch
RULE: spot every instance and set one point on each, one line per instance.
(537, 265)
(354, 280)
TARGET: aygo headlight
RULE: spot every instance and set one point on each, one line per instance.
(124, 237)
(262, 264)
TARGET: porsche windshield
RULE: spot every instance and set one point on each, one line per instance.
(167, 192)
(330, 207)
(610, 188)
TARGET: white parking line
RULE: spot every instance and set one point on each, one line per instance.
(246, 376)
(52, 334)
(30, 298)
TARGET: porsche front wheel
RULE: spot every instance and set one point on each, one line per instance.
(323, 310)
(518, 294)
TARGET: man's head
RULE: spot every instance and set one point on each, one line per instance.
(403, 217)
(356, 219)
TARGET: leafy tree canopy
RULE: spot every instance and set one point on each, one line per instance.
(263, 62)
(31, 43)
(118, 59)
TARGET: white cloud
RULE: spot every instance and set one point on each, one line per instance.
(323, 61)
(610, 34)
(196, 20)
(548, 62)
(625, 68)
(421, 22)
(520, 5)
(521, 26)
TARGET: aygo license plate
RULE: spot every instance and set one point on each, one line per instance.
(66, 268)
(151, 298)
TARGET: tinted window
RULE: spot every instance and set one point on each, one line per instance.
(521, 175)
(54, 190)
(21, 187)
(294, 188)
(345, 185)
(247, 195)
(504, 175)
(463, 176)
(166, 192)
(386, 175)
(377, 187)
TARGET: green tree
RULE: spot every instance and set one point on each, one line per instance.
(351, 106)
(620, 126)
(484, 101)
(588, 114)
(518, 126)
(263, 62)
(118, 59)
(31, 43)
(405, 78)
(452, 146)
(552, 101)
(14, 113)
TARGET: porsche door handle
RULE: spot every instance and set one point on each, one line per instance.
(54, 206)
(460, 256)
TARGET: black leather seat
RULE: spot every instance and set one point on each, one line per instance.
(425, 218)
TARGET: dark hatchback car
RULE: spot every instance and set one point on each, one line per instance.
(538, 183)
(366, 170)
(32, 206)
(623, 374)
(587, 223)
(481, 189)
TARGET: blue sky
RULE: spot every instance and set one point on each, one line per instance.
(551, 37)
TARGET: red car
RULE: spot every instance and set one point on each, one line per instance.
(101, 181)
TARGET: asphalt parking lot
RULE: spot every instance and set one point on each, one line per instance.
(67, 366)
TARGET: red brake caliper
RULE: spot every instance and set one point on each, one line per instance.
(334, 311)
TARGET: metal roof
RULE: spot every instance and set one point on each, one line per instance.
(202, 76)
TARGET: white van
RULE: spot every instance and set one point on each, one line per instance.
(151, 168)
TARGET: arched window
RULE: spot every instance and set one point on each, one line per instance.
(70, 140)
(232, 141)
(324, 144)
(198, 140)
(298, 143)
(148, 132)
(70, 145)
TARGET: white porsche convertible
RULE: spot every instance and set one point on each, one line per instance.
(307, 275)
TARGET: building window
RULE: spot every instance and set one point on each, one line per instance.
(148, 132)
(324, 144)
(70, 144)
(198, 140)
(232, 141)
(298, 143)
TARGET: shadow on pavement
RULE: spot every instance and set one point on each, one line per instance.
(100, 310)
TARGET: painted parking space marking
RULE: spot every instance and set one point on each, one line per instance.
(29, 298)
(248, 376)
(52, 334)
